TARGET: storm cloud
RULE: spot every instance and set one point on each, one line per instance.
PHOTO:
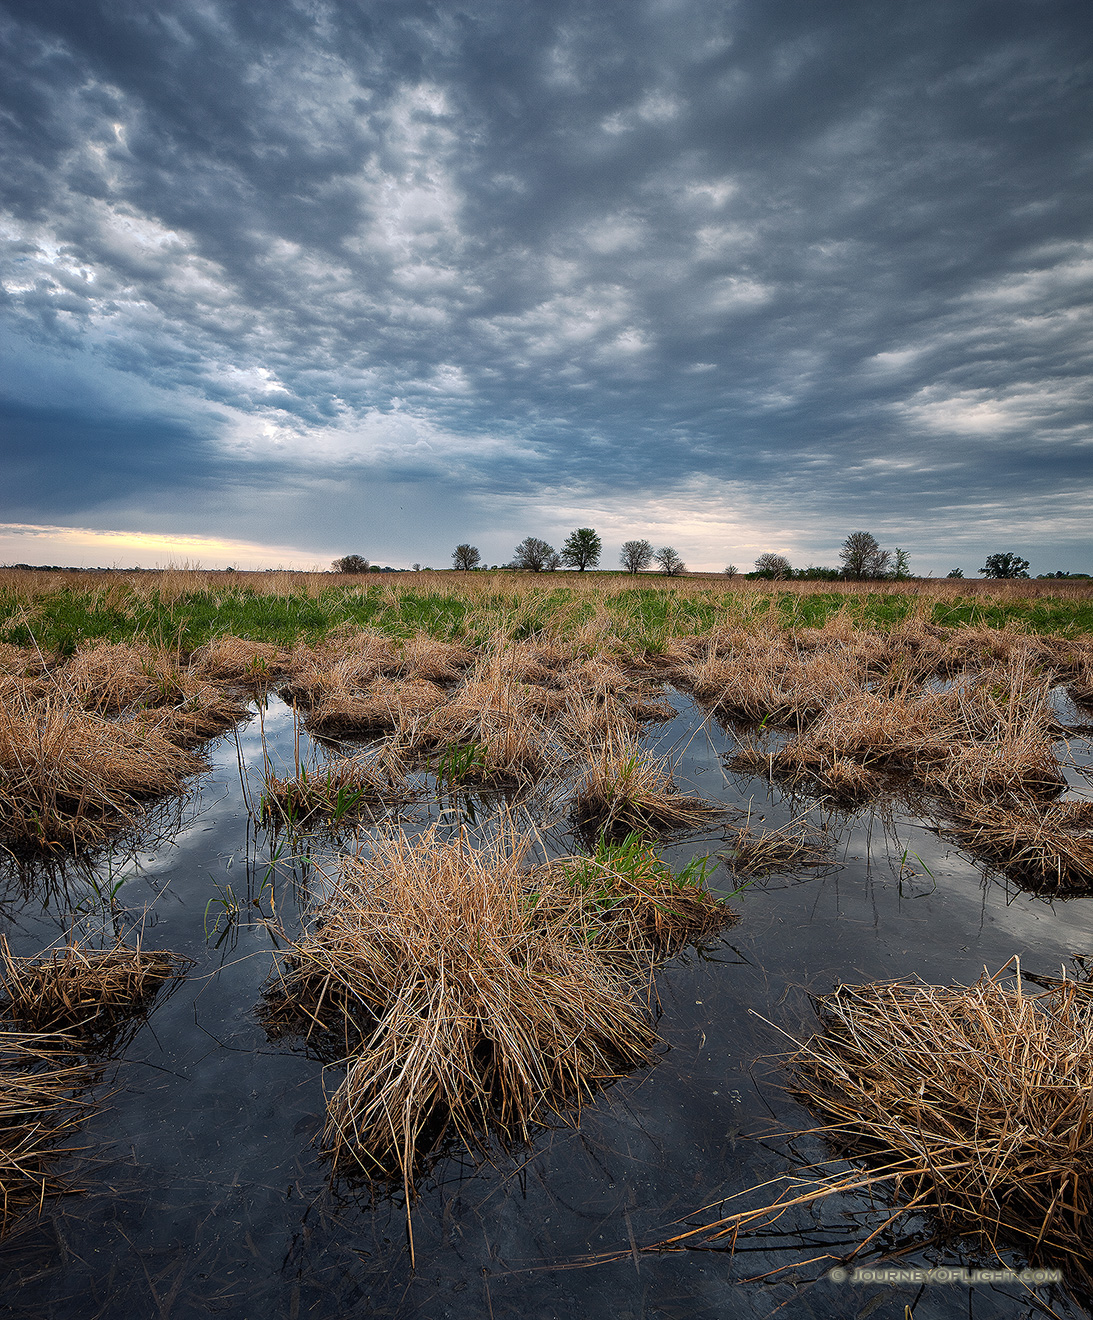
(385, 276)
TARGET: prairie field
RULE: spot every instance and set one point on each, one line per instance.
(510, 923)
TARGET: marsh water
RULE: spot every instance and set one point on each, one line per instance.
(202, 1185)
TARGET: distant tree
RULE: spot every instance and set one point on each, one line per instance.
(581, 549)
(635, 555)
(901, 564)
(466, 556)
(817, 573)
(416, 568)
(1006, 565)
(773, 566)
(533, 554)
(667, 558)
(862, 557)
(955, 573)
(730, 569)
(351, 564)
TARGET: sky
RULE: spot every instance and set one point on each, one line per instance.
(292, 279)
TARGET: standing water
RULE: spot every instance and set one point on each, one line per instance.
(201, 1186)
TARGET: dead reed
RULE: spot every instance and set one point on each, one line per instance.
(1044, 848)
(340, 788)
(40, 1109)
(69, 776)
(625, 789)
(793, 846)
(980, 1099)
(474, 1010)
(78, 986)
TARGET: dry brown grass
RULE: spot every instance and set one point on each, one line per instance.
(498, 717)
(980, 1098)
(39, 1111)
(988, 737)
(385, 705)
(1044, 848)
(70, 777)
(341, 788)
(625, 788)
(239, 660)
(975, 1103)
(110, 677)
(753, 852)
(476, 1010)
(631, 908)
(79, 987)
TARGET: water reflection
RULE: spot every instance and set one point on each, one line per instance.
(205, 1189)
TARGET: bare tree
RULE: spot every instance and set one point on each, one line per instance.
(466, 556)
(731, 570)
(636, 555)
(862, 557)
(582, 548)
(667, 558)
(773, 566)
(350, 564)
(554, 561)
(532, 554)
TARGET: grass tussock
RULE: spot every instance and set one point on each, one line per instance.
(499, 718)
(240, 660)
(1049, 849)
(987, 737)
(793, 846)
(978, 1099)
(341, 788)
(625, 789)
(385, 705)
(632, 907)
(108, 678)
(80, 987)
(477, 1009)
(70, 777)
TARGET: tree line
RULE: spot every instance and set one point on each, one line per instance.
(580, 550)
(861, 556)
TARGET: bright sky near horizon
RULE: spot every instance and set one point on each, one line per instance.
(290, 280)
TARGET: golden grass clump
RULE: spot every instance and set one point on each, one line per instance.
(977, 1100)
(428, 658)
(630, 905)
(625, 788)
(345, 664)
(753, 852)
(988, 737)
(1044, 848)
(385, 705)
(340, 788)
(239, 660)
(70, 776)
(79, 986)
(109, 677)
(477, 1011)
(768, 678)
(499, 718)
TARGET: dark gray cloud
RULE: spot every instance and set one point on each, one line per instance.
(755, 272)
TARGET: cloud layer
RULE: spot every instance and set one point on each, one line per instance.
(385, 276)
